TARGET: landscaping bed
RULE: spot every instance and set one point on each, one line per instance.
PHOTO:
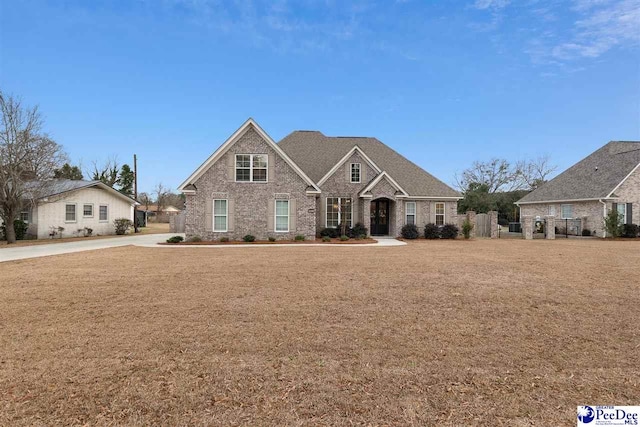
(277, 242)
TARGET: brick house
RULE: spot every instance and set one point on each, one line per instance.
(309, 181)
(609, 178)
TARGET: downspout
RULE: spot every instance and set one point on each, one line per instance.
(604, 215)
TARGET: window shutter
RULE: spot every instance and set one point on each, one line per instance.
(271, 212)
(354, 212)
(230, 212)
(208, 215)
(232, 166)
(614, 207)
(629, 213)
(323, 212)
(348, 168)
(432, 212)
(416, 221)
(363, 173)
(293, 215)
(271, 168)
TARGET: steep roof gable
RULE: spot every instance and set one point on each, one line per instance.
(317, 154)
(186, 186)
(594, 177)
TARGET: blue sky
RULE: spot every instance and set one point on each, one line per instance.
(443, 83)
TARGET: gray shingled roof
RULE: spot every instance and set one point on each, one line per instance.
(316, 154)
(594, 177)
(58, 186)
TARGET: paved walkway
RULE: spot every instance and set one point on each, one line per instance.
(148, 241)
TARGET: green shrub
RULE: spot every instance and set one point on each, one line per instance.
(359, 230)
(585, 232)
(613, 223)
(331, 232)
(466, 228)
(299, 238)
(272, 239)
(175, 239)
(249, 238)
(224, 239)
(195, 239)
(344, 238)
(409, 231)
(449, 231)
(431, 231)
(326, 238)
(630, 230)
(20, 228)
(122, 225)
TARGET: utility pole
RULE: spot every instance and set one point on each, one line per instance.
(135, 193)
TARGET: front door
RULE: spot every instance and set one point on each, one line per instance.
(379, 217)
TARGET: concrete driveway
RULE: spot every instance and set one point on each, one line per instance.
(24, 252)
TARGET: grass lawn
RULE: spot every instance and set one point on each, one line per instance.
(483, 332)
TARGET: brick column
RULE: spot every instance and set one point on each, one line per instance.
(551, 227)
(471, 216)
(366, 215)
(527, 227)
(493, 221)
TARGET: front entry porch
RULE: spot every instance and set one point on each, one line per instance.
(380, 214)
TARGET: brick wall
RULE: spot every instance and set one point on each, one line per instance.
(629, 192)
(250, 200)
(591, 213)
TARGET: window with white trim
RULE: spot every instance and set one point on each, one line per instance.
(70, 213)
(282, 215)
(339, 209)
(410, 212)
(220, 215)
(566, 211)
(251, 167)
(103, 213)
(622, 213)
(440, 213)
(25, 216)
(355, 172)
(87, 211)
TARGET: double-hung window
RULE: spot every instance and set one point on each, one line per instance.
(567, 211)
(70, 213)
(25, 215)
(339, 210)
(251, 167)
(355, 172)
(103, 214)
(87, 211)
(282, 215)
(220, 215)
(440, 213)
(410, 212)
(622, 213)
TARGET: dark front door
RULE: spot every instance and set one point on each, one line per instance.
(379, 217)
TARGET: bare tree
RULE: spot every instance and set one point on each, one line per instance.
(28, 158)
(145, 200)
(106, 172)
(536, 172)
(161, 193)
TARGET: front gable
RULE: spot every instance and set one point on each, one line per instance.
(338, 179)
(383, 186)
(250, 138)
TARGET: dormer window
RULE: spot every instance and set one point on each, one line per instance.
(251, 167)
(355, 172)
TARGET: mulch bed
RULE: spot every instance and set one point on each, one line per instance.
(277, 242)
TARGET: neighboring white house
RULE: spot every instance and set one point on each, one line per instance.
(75, 206)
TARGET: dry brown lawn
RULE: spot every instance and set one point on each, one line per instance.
(483, 332)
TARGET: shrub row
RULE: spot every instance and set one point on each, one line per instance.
(357, 231)
(431, 231)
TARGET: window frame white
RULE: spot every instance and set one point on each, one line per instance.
(25, 211)
(562, 215)
(326, 211)
(100, 213)
(359, 165)
(251, 167)
(214, 215)
(443, 214)
(407, 214)
(276, 216)
(75, 213)
(623, 213)
(84, 206)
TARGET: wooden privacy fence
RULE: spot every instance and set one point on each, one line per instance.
(483, 225)
(177, 222)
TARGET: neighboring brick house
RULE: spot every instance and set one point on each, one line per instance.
(307, 182)
(609, 178)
